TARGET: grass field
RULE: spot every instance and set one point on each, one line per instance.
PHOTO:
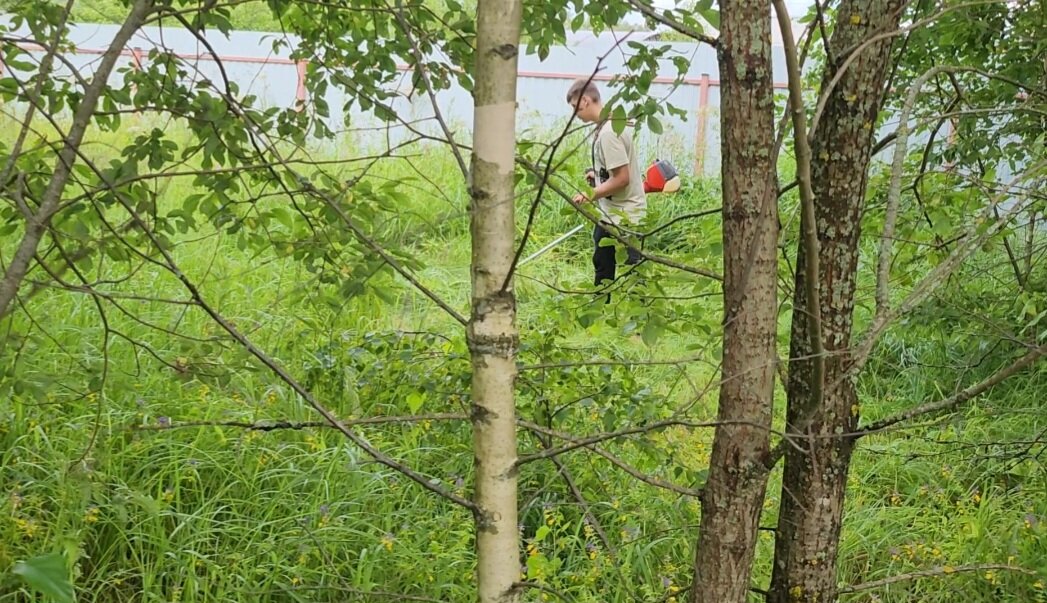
(152, 501)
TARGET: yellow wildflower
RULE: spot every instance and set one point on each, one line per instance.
(28, 527)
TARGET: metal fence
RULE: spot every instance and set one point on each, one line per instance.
(260, 65)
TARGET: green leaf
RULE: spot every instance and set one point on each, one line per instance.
(541, 533)
(415, 401)
(700, 478)
(651, 332)
(618, 119)
(48, 575)
(578, 22)
(711, 15)
(654, 125)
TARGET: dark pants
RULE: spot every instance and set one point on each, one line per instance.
(604, 261)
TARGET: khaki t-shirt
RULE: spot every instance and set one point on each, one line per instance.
(611, 151)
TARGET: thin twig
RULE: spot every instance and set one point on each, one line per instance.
(51, 198)
(673, 24)
(519, 586)
(419, 61)
(298, 425)
(971, 241)
(811, 245)
(852, 56)
(901, 147)
(944, 570)
(996, 378)
(347, 589)
(555, 365)
(170, 265)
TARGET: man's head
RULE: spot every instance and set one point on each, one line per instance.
(584, 99)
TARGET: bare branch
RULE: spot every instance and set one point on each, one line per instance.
(853, 55)
(824, 34)
(52, 196)
(691, 216)
(944, 570)
(519, 586)
(647, 479)
(617, 462)
(577, 493)
(673, 24)
(811, 245)
(419, 61)
(267, 361)
(299, 425)
(996, 378)
(345, 589)
(588, 441)
(894, 191)
(970, 242)
(555, 365)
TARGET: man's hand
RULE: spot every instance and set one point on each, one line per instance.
(580, 199)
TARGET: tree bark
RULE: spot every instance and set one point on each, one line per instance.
(492, 331)
(38, 223)
(733, 495)
(815, 480)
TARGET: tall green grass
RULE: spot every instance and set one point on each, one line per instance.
(212, 513)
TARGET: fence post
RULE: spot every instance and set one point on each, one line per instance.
(300, 91)
(703, 115)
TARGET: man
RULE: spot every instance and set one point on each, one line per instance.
(616, 179)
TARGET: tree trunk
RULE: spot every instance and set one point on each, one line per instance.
(492, 332)
(815, 481)
(733, 496)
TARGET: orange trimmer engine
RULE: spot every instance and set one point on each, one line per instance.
(661, 177)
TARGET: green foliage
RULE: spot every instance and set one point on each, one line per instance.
(48, 575)
(278, 232)
(997, 94)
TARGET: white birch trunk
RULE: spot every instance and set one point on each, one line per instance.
(492, 332)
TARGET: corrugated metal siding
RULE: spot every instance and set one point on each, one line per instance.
(252, 62)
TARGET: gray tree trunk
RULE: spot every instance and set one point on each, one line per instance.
(734, 492)
(815, 481)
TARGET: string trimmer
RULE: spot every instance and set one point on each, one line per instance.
(661, 177)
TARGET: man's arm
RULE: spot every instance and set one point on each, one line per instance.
(618, 181)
